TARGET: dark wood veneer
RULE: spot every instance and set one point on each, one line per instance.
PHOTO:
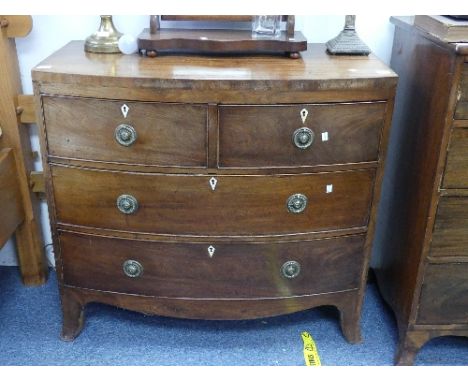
(456, 171)
(180, 107)
(261, 136)
(186, 204)
(236, 271)
(167, 134)
(422, 215)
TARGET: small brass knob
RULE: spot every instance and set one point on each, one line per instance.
(127, 204)
(125, 135)
(296, 203)
(290, 269)
(303, 137)
(132, 268)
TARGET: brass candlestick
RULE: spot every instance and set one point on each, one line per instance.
(105, 39)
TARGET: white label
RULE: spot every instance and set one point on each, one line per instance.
(329, 188)
(325, 136)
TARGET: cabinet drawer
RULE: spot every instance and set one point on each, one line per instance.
(187, 204)
(242, 270)
(90, 129)
(264, 136)
(461, 111)
(444, 296)
(456, 170)
(450, 229)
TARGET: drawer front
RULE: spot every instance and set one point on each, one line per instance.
(461, 111)
(444, 296)
(450, 235)
(233, 271)
(92, 129)
(238, 205)
(265, 136)
(456, 171)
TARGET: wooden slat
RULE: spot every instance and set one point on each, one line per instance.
(10, 196)
(37, 181)
(31, 254)
(26, 108)
(17, 26)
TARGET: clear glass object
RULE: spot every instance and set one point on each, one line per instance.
(266, 25)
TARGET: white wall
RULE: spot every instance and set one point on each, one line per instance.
(52, 32)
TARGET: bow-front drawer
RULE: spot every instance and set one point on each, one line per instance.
(299, 135)
(145, 133)
(444, 295)
(456, 170)
(212, 270)
(212, 205)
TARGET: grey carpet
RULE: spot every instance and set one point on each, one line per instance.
(30, 321)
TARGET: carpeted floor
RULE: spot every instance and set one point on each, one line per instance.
(30, 321)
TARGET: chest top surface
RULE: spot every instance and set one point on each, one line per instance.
(71, 63)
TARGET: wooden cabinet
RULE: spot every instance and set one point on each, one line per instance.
(213, 187)
(421, 246)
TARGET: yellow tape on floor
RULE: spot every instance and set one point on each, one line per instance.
(310, 350)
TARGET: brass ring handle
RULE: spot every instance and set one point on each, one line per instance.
(127, 204)
(290, 269)
(132, 268)
(296, 203)
(125, 134)
(303, 138)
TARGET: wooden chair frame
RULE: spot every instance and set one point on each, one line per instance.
(19, 204)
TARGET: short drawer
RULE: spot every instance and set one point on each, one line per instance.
(299, 135)
(126, 132)
(461, 111)
(444, 296)
(219, 205)
(450, 235)
(239, 270)
(456, 170)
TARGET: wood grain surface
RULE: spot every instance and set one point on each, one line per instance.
(186, 204)
(456, 170)
(167, 134)
(31, 255)
(10, 196)
(443, 298)
(417, 237)
(237, 270)
(461, 112)
(212, 77)
(262, 136)
(215, 41)
(450, 230)
(250, 155)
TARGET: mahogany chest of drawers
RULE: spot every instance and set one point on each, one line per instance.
(213, 187)
(422, 235)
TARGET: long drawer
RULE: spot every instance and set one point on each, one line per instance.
(444, 296)
(144, 133)
(299, 135)
(456, 170)
(240, 270)
(219, 205)
(450, 229)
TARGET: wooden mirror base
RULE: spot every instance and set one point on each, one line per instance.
(218, 41)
